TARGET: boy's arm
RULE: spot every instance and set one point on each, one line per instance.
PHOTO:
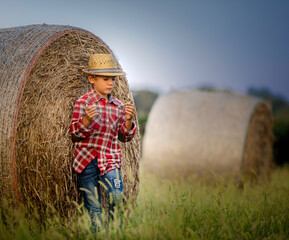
(90, 114)
(82, 117)
(128, 127)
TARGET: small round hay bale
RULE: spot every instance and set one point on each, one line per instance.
(193, 133)
(41, 77)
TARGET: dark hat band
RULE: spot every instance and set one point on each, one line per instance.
(108, 70)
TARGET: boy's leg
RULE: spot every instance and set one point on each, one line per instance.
(114, 189)
(88, 184)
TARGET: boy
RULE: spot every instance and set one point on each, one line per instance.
(98, 121)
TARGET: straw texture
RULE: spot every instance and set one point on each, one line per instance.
(196, 132)
(41, 77)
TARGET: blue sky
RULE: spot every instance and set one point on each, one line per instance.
(175, 44)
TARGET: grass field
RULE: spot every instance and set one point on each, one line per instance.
(170, 210)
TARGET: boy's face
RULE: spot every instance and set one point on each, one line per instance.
(103, 85)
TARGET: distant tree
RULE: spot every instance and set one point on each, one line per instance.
(210, 88)
(280, 105)
(207, 88)
(144, 101)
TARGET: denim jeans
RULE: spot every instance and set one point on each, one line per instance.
(88, 182)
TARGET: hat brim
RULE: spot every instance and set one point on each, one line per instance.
(120, 73)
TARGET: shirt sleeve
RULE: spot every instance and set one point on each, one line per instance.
(127, 134)
(77, 128)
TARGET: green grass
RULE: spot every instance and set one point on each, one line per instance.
(175, 210)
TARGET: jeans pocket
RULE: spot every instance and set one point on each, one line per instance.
(90, 169)
(113, 181)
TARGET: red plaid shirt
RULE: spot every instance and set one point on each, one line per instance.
(100, 138)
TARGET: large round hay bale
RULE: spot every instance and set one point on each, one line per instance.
(198, 132)
(41, 77)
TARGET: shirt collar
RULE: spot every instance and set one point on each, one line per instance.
(96, 97)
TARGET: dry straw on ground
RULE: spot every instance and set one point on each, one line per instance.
(41, 78)
(193, 133)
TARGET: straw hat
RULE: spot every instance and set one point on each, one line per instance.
(102, 65)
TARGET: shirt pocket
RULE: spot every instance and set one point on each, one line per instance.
(96, 123)
(113, 122)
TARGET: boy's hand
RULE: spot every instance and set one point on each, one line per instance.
(90, 113)
(130, 111)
